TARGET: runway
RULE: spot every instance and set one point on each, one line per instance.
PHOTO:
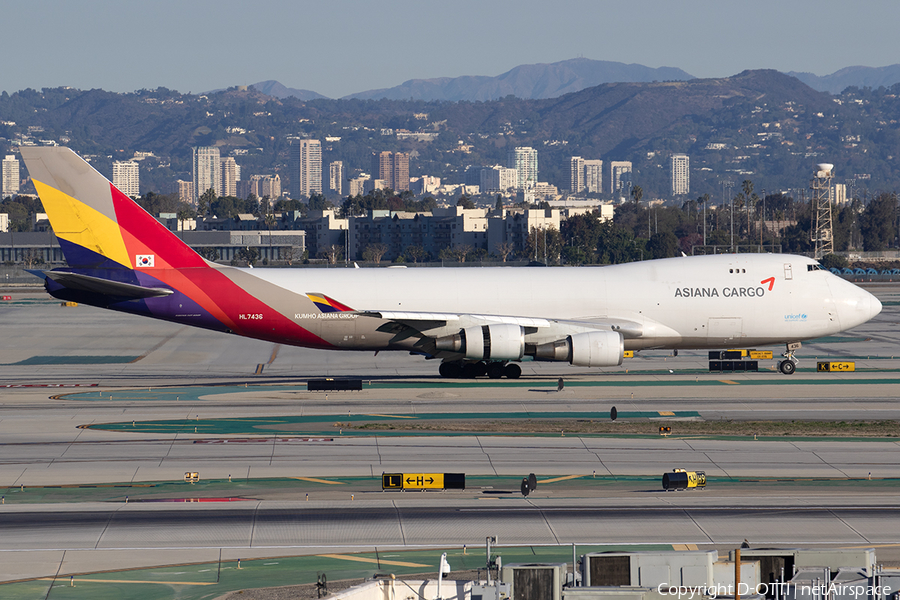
(137, 377)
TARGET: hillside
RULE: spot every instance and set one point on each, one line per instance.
(762, 125)
(858, 76)
(530, 82)
(277, 90)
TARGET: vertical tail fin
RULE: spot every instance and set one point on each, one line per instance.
(98, 227)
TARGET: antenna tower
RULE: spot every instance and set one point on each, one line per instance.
(823, 234)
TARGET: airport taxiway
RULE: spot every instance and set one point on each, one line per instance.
(114, 358)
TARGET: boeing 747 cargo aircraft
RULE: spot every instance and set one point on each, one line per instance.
(477, 321)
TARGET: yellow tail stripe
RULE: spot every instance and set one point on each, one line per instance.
(76, 222)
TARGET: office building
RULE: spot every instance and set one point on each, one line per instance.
(426, 184)
(382, 166)
(358, 184)
(585, 175)
(336, 177)
(231, 174)
(306, 168)
(10, 176)
(400, 182)
(207, 171)
(392, 168)
(524, 160)
(185, 190)
(576, 174)
(126, 177)
(269, 186)
(593, 176)
(840, 193)
(619, 176)
(680, 170)
(497, 179)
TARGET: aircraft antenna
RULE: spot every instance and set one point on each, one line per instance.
(823, 234)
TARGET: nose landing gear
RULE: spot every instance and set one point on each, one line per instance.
(789, 365)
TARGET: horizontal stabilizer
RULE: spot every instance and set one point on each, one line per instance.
(107, 287)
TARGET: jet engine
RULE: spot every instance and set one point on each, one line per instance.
(589, 349)
(501, 341)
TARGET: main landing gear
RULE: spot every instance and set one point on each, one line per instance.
(789, 365)
(471, 370)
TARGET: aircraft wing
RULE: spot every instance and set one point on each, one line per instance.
(424, 321)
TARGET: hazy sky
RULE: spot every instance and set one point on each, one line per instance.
(338, 47)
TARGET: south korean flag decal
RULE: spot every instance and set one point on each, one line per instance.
(144, 260)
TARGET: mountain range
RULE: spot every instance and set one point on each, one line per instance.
(531, 82)
(763, 125)
(552, 80)
(860, 77)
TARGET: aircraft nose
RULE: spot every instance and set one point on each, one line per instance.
(874, 306)
(854, 305)
(866, 307)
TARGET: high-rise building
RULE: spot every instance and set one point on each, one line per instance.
(358, 184)
(10, 176)
(400, 181)
(306, 168)
(231, 174)
(472, 175)
(392, 168)
(126, 177)
(336, 177)
(383, 166)
(840, 193)
(185, 190)
(426, 184)
(524, 160)
(270, 185)
(207, 171)
(680, 165)
(619, 175)
(576, 174)
(593, 176)
(497, 179)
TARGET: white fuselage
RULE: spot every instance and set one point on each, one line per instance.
(691, 302)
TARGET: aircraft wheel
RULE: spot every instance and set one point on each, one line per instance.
(469, 371)
(481, 369)
(449, 370)
(787, 367)
(512, 371)
(495, 370)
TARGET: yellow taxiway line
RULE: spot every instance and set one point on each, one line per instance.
(561, 478)
(81, 580)
(372, 560)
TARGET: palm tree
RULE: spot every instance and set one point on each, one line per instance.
(637, 192)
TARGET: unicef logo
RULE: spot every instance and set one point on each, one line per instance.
(795, 317)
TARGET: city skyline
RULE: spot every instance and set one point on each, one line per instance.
(74, 40)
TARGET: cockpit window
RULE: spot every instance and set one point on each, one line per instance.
(815, 267)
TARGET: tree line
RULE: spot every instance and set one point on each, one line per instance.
(747, 222)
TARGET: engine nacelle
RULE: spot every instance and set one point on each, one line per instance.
(589, 349)
(501, 341)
